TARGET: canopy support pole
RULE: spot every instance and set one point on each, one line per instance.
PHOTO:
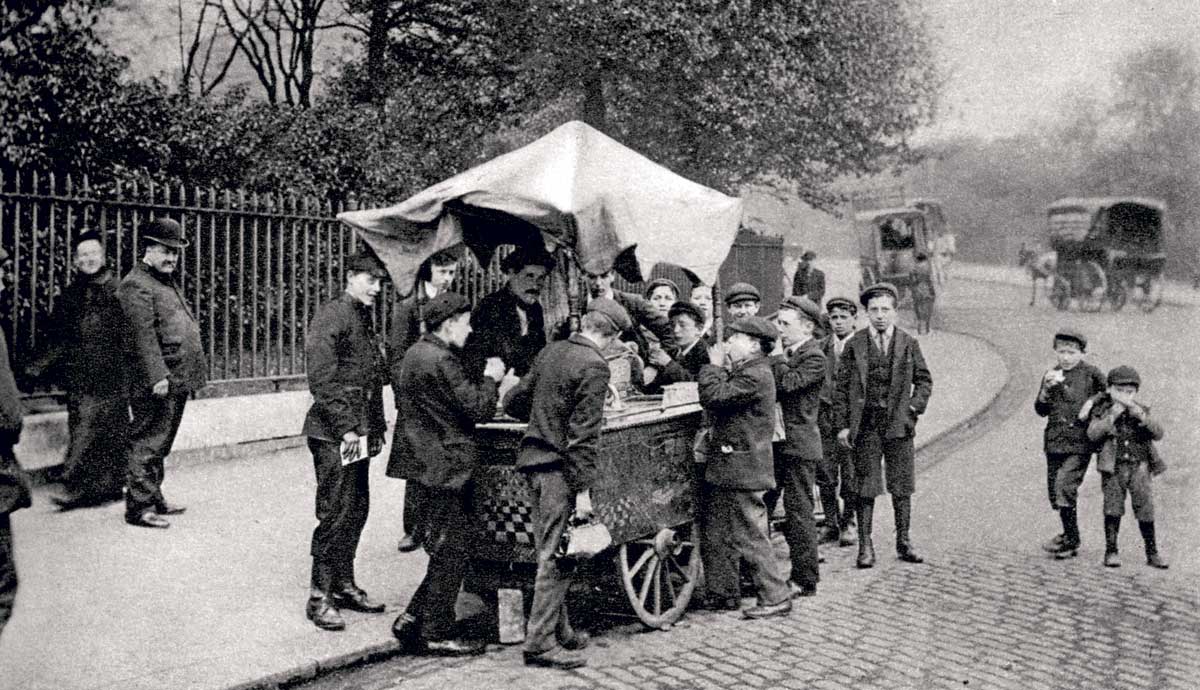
(574, 297)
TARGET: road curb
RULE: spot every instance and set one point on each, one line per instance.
(309, 670)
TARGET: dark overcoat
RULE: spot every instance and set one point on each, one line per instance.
(908, 394)
(14, 483)
(405, 327)
(166, 336)
(810, 284)
(345, 372)
(562, 398)
(1065, 433)
(741, 406)
(90, 340)
(496, 332)
(434, 441)
(799, 377)
(681, 368)
(644, 315)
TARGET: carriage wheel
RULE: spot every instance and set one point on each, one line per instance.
(1093, 285)
(1149, 293)
(1060, 293)
(1117, 294)
(660, 574)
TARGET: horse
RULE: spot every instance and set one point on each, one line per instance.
(1041, 266)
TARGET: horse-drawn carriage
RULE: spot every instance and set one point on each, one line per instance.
(889, 240)
(1109, 249)
(597, 206)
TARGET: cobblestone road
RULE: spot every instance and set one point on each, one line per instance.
(988, 609)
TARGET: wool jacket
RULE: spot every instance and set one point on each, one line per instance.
(908, 394)
(345, 372)
(799, 378)
(1060, 404)
(740, 402)
(166, 336)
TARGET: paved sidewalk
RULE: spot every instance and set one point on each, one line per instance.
(217, 600)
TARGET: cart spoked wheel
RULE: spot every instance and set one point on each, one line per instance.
(660, 574)
(1093, 286)
(1148, 293)
(1060, 293)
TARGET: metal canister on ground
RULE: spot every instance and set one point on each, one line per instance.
(510, 609)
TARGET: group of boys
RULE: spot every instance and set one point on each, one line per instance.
(1088, 413)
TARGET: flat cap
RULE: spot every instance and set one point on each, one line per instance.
(805, 306)
(1124, 376)
(86, 236)
(442, 307)
(841, 303)
(879, 289)
(660, 282)
(756, 326)
(166, 232)
(365, 262)
(686, 308)
(615, 312)
(739, 292)
(1072, 335)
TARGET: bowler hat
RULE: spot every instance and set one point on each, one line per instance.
(525, 256)
(879, 289)
(739, 292)
(756, 326)
(688, 309)
(365, 262)
(808, 255)
(1072, 335)
(86, 236)
(1124, 376)
(442, 307)
(660, 282)
(841, 303)
(615, 312)
(166, 232)
(805, 306)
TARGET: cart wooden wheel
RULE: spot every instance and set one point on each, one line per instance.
(660, 574)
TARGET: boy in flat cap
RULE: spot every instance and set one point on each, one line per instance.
(742, 300)
(562, 398)
(690, 353)
(439, 407)
(645, 316)
(434, 277)
(1063, 391)
(883, 387)
(1127, 461)
(169, 365)
(835, 473)
(737, 390)
(89, 341)
(799, 376)
(662, 293)
(346, 372)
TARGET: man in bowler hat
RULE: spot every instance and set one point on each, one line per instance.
(346, 372)
(883, 387)
(168, 366)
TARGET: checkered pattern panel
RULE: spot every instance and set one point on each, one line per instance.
(508, 522)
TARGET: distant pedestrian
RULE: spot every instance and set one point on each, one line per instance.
(434, 277)
(1062, 393)
(835, 473)
(809, 280)
(883, 387)
(562, 398)
(346, 372)
(799, 377)
(439, 407)
(14, 484)
(88, 354)
(169, 366)
(923, 293)
(1127, 461)
(737, 390)
(742, 300)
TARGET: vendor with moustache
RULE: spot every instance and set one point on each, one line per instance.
(509, 323)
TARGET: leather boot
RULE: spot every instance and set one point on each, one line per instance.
(847, 536)
(1153, 559)
(866, 549)
(1112, 524)
(829, 505)
(902, 506)
(348, 595)
(1070, 542)
(320, 608)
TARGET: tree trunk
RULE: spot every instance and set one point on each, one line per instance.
(377, 42)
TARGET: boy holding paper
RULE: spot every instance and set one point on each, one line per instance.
(346, 372)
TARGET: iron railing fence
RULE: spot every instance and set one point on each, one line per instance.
(256, 268)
